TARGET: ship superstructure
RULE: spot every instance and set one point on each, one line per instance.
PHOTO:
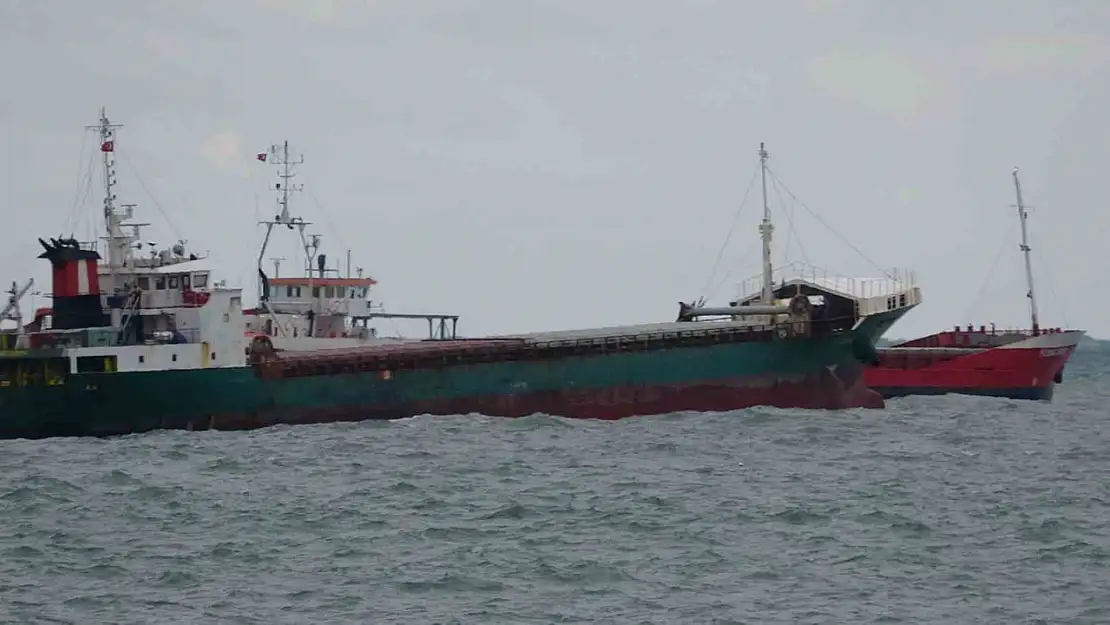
(322, 307)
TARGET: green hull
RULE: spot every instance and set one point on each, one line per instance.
(871, 329)
(811, 373)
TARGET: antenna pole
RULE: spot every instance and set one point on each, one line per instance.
(287, 174)
(1023, 215)
(112, 218)
(765, 230)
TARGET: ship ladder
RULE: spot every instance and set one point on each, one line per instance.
(129, 312)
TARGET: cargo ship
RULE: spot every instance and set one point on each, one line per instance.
(130, 360)
(1015, 364)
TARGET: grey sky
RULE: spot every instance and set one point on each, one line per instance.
(551, 164)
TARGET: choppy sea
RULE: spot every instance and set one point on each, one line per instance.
(935, 510)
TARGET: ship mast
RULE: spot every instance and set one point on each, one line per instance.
(765, 230)
(118, 243)
(286, 175)
(279, 156)
(1023, 215)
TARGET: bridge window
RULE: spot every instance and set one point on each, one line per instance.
(329, 292)
(200, 280)
(144, 283)
(160, 283)
(173, 282)
(96, 364)
(315, 291)
(185, 281)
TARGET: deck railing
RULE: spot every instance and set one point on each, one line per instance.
(899, 281)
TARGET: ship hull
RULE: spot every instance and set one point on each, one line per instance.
(817, 373)
(1026, 369)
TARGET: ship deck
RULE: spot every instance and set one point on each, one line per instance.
(438, 353)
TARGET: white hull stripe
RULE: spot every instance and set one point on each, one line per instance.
(1069, 338)
(82, 277)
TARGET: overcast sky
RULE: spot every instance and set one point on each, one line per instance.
(537, 164)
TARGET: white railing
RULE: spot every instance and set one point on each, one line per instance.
(898, 282)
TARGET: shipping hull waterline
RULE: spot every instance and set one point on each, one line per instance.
(810, 372)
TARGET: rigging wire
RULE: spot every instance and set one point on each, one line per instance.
(1043, 266)
(728, 235)
(80, 167)
(731, 272)
(165, 215)
(735, 266)
(790, 221)
(92, 218)
(776, 179)
(790, 229)
(81, 195)
(327, 219)
(84, 180)
(990, 272)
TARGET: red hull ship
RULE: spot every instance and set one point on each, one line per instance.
(1015, 364)
(1021, 364)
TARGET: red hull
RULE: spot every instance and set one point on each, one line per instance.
(1016, 366)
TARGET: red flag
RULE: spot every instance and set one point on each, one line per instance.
(108, 146)
(261, 156)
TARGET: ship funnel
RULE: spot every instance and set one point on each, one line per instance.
(76, 288)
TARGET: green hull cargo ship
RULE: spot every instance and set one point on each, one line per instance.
(121, 359)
